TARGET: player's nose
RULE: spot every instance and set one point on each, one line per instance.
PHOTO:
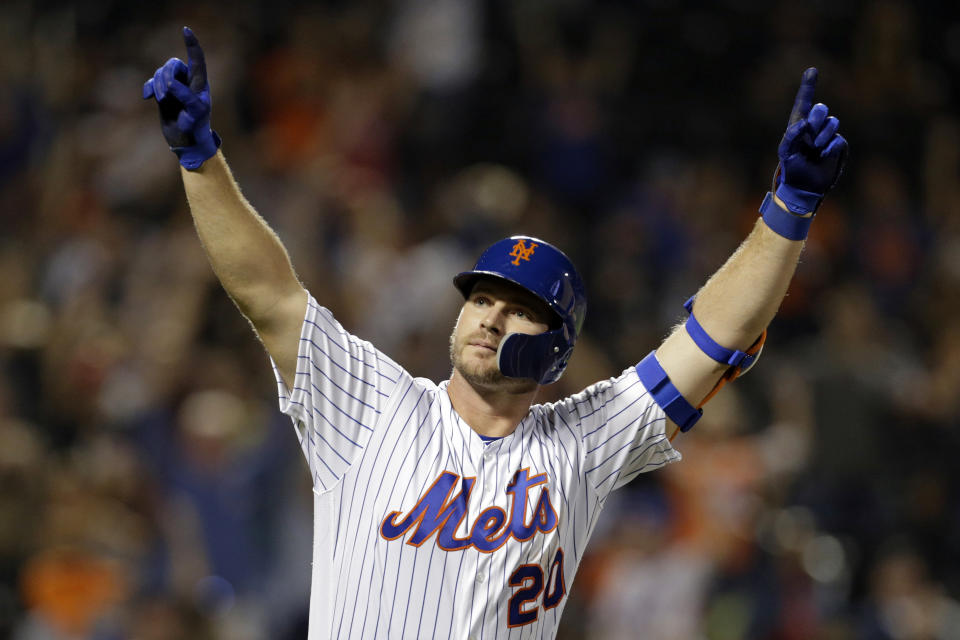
(493, 320)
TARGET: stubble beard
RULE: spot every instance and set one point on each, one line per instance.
(482, 375)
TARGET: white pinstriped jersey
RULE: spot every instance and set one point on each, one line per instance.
(422, 530)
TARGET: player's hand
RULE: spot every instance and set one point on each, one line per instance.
(182, 92)
(812, 154)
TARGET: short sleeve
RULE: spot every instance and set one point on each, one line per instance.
(622, 432)
(340, 387)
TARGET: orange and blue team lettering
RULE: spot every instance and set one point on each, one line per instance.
(437, 512)
(522, 252)
(530, 579)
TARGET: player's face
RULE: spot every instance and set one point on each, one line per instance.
(493, 310)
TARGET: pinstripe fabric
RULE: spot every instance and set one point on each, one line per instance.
(379, 441)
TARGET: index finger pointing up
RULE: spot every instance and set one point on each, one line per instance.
(195, 61)
(804, 100)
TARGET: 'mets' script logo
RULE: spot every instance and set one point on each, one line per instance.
(437, 512)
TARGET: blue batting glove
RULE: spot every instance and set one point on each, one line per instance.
(812, 154)
(183, 94)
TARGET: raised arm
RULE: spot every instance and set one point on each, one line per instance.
(247, 256)
(249, 260)
(737, 303)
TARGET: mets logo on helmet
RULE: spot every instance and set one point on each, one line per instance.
(522, 252)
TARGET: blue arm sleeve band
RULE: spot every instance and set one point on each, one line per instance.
(667, 396)
(784, 223)
(732, 357)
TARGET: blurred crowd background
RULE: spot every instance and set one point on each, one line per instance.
(149, 487)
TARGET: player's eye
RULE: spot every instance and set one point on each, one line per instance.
(525, 314)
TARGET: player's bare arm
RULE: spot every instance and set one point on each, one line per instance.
(735, 306)
(246, 255)
(249, 260)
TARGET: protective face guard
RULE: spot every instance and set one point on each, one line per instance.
(542, 357)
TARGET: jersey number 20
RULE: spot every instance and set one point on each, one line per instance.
(529, 577)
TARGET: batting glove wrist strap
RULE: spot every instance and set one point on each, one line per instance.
(194, 156)
(665, 394)
(783, 222)
(723, 355)
(798, 201)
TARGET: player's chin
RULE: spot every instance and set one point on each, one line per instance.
(490, 377)
(478, 371)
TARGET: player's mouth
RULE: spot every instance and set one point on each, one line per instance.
(483, 344)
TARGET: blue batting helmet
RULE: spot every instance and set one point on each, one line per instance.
(547, 273)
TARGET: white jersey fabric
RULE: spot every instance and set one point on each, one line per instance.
(422, 530)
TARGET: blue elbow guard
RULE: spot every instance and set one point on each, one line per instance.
(723, 355)
(665, 394)
(739, 362)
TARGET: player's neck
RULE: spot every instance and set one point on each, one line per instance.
(489, 412)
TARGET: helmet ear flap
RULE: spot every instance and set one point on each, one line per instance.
(541, 357)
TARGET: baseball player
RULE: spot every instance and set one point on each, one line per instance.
(462, 509)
